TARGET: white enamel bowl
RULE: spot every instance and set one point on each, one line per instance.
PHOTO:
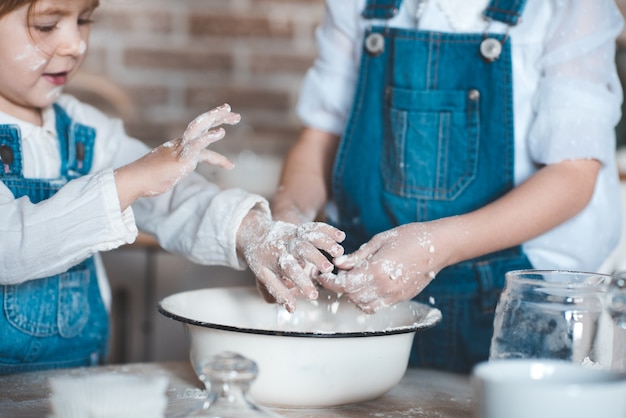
(327, 353)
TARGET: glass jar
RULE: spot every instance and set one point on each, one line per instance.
(566, 315)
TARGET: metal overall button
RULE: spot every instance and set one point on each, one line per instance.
(473, 94)
(375, 44)
(490, 49)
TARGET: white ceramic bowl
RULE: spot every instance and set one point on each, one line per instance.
(546, 389)
(327, 353)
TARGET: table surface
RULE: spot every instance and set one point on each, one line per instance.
(421, 393)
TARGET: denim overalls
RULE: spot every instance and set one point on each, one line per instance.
(58, 321)
(430, 136)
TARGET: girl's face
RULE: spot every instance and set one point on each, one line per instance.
(40, 49)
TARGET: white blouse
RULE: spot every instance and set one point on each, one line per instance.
(567, 98)
(196, 219)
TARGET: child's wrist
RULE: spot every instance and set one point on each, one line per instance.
(128, 188)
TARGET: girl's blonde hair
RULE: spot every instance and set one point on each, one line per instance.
(7, 6)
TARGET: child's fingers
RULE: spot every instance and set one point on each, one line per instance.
(276, 289)
(323, 236)
(291, 268)
(204, 140)
(232, 119)
(346, 262)
(210, 119)
(215, 158)
(308, 254)
(197, 149)
(205, 121)
(367, 250)
(337, 234)
(344, 283)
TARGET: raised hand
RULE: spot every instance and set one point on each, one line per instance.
(160, 170)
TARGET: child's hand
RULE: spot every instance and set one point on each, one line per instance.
(199, 135)
(392, 267)
(280, 254)
(160, 170)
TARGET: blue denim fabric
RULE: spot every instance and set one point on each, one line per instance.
(466, 294)
(431, 136)
(58, 321)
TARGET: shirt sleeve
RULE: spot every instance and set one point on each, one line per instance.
(82, 218)
(328, 88)
(199, 220)
(577, 103)
(195, 219)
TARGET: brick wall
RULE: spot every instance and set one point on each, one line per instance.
(159, 63)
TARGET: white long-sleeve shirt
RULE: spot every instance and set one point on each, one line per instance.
(567, 98)
(196, 218)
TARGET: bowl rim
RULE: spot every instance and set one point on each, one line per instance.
(433, 317)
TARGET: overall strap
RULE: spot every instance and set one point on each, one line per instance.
(505, 11)
(381, 9)
(76, 143)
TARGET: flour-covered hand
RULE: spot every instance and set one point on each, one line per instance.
(176, 159)
(280, 254)
(392, 267)
(160, 170)
(200, 134)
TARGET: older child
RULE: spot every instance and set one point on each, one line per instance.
(73, 184)
(459, 139)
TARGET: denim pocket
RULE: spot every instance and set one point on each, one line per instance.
(54, 305)
(431, 147)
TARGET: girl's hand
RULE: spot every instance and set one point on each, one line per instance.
(280, 254)
(160, 170)
(392, 267)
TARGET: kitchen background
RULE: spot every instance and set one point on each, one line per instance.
(157, 64)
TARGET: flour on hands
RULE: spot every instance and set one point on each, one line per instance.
(281, 254)
(162, 168)
(388, 269)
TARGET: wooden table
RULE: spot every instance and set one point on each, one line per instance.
(421, 393)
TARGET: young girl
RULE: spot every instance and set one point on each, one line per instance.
(457, 140)
(73, 184)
